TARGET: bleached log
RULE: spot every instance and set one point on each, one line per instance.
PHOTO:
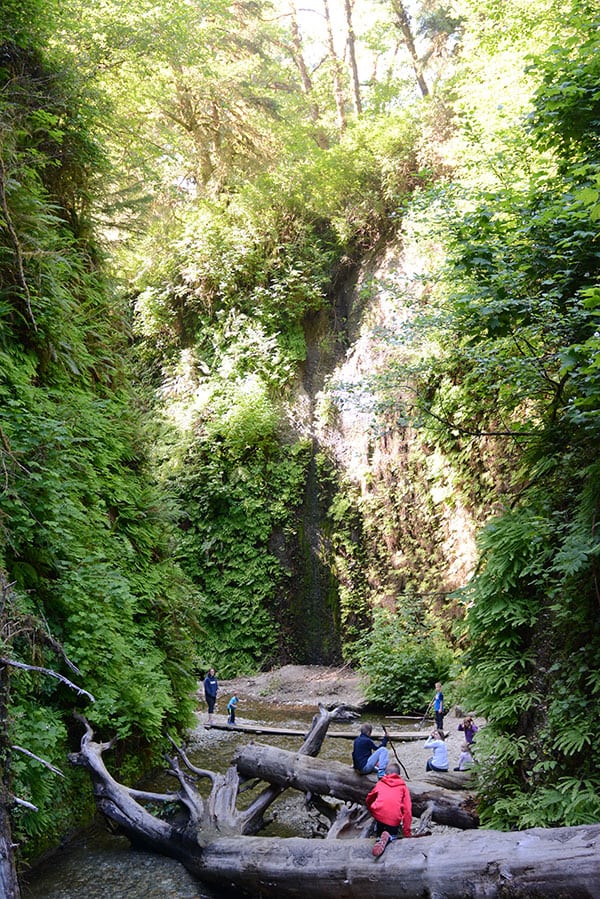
(312, 775)
(534, 864)
(478, 864)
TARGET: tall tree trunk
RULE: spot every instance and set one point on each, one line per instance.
(336, 69)
(348, 4)
(403, 23)
(297, 53)
(9, 886)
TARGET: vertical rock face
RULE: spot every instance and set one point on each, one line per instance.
(381, 518)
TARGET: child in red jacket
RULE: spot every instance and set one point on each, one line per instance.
(390, 804)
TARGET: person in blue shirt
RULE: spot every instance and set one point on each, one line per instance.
(366, 755)
(231, 706)
(438, 706)
(211, 688)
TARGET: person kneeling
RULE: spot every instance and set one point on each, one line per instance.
(390, 804)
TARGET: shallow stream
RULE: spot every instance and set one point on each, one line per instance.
(98, 865)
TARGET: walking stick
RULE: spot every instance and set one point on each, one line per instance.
(427, 710)
(394, 751)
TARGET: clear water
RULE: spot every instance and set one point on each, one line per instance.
(98, 865)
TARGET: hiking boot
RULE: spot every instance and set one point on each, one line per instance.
(379, 847)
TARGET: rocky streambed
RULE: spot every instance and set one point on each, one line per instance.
(96, 864)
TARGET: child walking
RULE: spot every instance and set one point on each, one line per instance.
(231, 705)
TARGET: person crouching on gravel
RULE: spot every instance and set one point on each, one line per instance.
(366, 755)
(390, 804)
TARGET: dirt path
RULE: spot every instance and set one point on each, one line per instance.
(302, 685)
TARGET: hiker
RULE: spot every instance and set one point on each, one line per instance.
(211, 688)
(390, 804)
(469, 729)
(438, 706)
(439, 759)
(465, 759)
(231, 705)
(366, 755)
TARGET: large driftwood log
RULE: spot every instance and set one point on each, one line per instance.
(535, 863)
(204, 820)
(478, 864)
(312, 775)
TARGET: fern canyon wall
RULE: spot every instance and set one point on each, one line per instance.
(382, 523)
(299, 362)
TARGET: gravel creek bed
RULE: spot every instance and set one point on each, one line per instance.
(97, 865)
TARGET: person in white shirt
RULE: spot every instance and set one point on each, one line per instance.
(439, 759)
(465, 760)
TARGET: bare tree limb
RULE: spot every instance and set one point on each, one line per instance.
(50, 673)
(24, 804)
(43, 762)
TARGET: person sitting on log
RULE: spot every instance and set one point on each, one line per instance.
(439, 759)
(366, 755)
(390, 804)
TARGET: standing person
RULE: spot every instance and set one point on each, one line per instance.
(366, 755)
(469, 729)
(231, 706)
(390, 804)
(211, 688)
(438, 707)
(439, 759)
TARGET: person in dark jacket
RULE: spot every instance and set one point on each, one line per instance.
(367, 755)
(390, 804)
(211, 688)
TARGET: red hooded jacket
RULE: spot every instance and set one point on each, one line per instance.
(389, 802)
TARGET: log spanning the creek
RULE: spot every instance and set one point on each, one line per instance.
(261, 730)
(215, 841)
(455, 808)
(531, 864)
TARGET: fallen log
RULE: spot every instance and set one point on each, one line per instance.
(531, 864)
(204, 819)
(313, 775)
(542, 864)
(260, 730)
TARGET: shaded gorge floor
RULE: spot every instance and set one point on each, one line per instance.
(98, 865)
